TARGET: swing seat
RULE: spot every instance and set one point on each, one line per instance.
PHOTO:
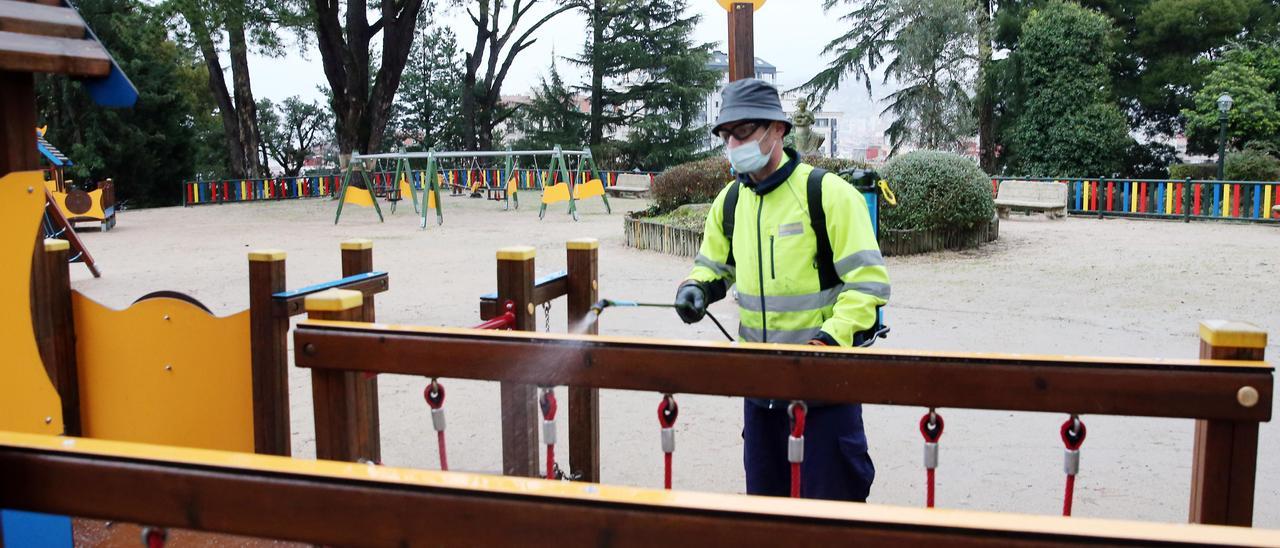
(558, 192)
(358, 196)
(589, 189)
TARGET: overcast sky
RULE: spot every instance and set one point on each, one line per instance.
(790, 34)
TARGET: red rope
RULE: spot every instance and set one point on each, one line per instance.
(666, 479)
(1073, 434)
(1066, 500)
(444, 456)
(929, 497)
(797, 411)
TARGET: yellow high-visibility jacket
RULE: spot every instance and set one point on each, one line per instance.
(780, 294)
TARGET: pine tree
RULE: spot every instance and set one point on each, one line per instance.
(428, 109)
(552, 118)
(649, 82)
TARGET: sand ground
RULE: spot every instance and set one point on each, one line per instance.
(1079, 286)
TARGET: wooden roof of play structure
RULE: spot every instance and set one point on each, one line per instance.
(49, 36)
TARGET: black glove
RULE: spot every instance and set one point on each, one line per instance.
(691, 302)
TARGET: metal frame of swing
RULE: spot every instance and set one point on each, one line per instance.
(559, 167)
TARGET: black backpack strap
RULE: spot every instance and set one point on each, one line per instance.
(727, 217)
(827, 276)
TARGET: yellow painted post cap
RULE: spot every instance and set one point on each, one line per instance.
(334, 300)
(516, 253)
(583, 243)
(728, 4)
(267, 255)
(54, 244)
(356, 244)
(1232, 334)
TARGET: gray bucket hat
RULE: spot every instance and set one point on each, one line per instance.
(750, 99)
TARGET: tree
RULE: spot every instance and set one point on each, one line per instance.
(552, 118)
(291, 130)
(1069, 123)
(929, 46)
(362, 93)
(428, 111)
(147, 149)
(1250, 73)
(252, 23)
(495, 49)
(649, 79)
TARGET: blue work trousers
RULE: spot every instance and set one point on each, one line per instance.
(836, 465)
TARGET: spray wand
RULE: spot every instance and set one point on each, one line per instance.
(602, 304)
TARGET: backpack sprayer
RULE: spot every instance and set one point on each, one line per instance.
(602, 304)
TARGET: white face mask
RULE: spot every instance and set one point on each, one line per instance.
(747, 158)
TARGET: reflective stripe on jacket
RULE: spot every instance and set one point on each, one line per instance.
(780, 297)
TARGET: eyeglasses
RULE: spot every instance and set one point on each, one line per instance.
(741, 131)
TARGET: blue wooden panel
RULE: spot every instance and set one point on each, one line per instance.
(327, 285)
(32, 530)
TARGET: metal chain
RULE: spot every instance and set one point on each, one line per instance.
(546, 316)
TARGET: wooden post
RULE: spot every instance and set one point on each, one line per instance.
(742, 49)
(269, 351)
(18, 123)
(519, 411)
(55, 327)
(584, 402)
(357, 258)
(1226, 452)
(335, 394)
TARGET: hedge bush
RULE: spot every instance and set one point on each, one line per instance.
(1195, 171)
(1251, 165)
(936, 190)
(701, 180)
(690, 183)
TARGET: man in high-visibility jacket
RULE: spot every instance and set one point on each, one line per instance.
(795, 285)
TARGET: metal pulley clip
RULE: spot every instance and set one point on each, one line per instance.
(667, 413)
(547, 401)
(154, 537)
(1073, 432)
(931, 425)
(434, 394)
(795, 443)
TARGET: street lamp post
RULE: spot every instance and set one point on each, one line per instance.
(1224, 105)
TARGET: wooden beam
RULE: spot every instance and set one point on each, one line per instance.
(336, 395)
(30, 18)
(269, 340)
(519, 411)
(29, 53)
(742, 49)
(17, 122)
(1225, 461)
(337, 504)
(584, 401)
(369, 283)
(357, 258)
(55, 326)
(1086, 385)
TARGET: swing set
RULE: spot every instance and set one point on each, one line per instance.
(564, 180)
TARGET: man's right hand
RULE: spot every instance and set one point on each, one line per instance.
(691, 302)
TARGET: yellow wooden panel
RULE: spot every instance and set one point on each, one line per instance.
(95, 209)
(558, 192)
(513, 186)
(28, 401)
(164, 371)
(589, 189)
(406, 189)
(431, 199)
(359, 196)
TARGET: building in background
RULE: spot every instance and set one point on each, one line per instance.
(826, 123)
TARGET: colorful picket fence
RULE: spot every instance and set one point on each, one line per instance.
(1185, 199)
(283, 188)
(250, 190)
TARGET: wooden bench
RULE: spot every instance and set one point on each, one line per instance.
(1047, 197)
(630, 185)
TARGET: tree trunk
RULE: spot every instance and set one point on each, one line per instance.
(246, 109)
(597, 74)
(218, 87)
(985, 101)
